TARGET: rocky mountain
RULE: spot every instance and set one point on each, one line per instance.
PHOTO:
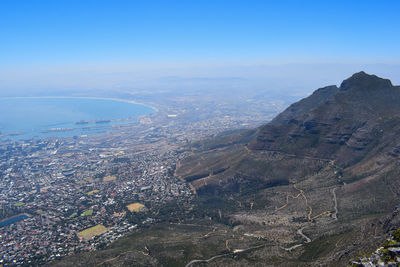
(317, 185)
(305, 105)
(344, 126)
(328, 162)
(351, 121)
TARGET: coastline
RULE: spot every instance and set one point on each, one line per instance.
(21, 135)
(84, 97)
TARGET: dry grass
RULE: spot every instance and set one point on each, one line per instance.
(40, 212)
(119, 214)
(135, 207)
(109, 178)
(93, 231)
(92, 192)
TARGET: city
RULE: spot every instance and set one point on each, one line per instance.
(60, 196)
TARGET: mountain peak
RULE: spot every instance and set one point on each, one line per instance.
(362, 80)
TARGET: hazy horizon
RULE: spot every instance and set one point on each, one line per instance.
(63, 47)
(296, 80)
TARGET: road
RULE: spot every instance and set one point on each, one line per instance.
(300, 232)
(334, 215)
(207, 261)
(224, 255)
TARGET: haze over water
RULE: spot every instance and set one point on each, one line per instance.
(63, 117)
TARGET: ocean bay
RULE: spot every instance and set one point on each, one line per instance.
(41, 117)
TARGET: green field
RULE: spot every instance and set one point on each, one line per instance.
(87, 213)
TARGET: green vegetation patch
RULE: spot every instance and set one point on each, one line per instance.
(19, 204)
(87, 213)
(321, 247)
(396, 235)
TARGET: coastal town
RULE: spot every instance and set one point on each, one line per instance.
(59, 189)
(60, 196)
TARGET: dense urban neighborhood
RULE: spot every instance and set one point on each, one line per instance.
(59, 196)
(60, 188)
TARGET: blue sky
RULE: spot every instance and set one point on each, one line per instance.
(39, 36)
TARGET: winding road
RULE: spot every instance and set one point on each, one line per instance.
(224, 255)
(300, 232)
(334, 215)
(207, 261)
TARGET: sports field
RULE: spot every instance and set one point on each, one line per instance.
(93, 231)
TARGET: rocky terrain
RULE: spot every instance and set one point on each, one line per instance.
(388, 253)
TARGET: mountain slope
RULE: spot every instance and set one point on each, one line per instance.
(305, 105)
(350, 122)
(329, 163)
(346, 125)
(316, 186)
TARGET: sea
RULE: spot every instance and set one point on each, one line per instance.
(41, 117)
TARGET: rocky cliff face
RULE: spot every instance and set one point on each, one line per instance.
(345, 126)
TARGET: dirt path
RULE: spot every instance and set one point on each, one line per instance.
(295, 197)
(287, 201)
(306, 200)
